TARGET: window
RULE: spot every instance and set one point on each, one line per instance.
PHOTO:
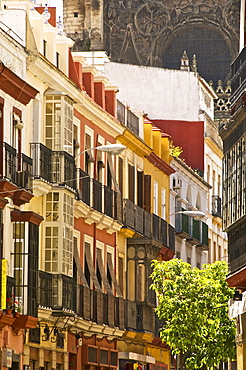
(52, 206)
(109, 256)
(90, 274)
(59, 233)
(163, 203)
(147, 193)
(75, 14)
(88, 155)
(121, 273)
(57, 59)
(140, 183)
(59, 123)
(120, 174)
(189, 260)
(26, 238)
(100, 164)
(131, 182)
(155, 210)
(44, 48)
(109, 176)
(19, 250)
(51, 248)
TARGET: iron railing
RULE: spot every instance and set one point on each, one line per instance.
(97, 195)
(216, 206)
(132, 122)
(25, 173)
(121, 112)
(45, 289)
(108, 201)
(57, 290)
(42, 161)
(8, 162)
(63, 169)
(127, 117)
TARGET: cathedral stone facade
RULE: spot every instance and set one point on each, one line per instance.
(155, 33)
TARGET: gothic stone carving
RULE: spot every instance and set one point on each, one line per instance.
(140, 32)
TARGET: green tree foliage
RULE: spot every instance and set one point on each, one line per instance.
(175, 151)
(193, 306)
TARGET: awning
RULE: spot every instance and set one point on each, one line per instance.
(14, 86)
(102, 272)
(79, 267)
(91, 267)
(136, 357)
(112, 273)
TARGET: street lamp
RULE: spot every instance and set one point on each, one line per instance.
(197, 215)
(114, 149)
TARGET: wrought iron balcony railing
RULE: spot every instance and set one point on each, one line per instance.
(216, 206)
(189, 228)
(45, 289)
(63, 169)
(25, 171)
(8, 162)
(57, 290)
(97, 195)
(146, 224)
(100, 197)
(42, 161)
(53, 166)
(139, 316)
(128, 118)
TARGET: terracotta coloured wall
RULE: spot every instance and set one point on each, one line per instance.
(190, 136)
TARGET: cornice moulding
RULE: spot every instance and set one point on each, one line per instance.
(134, 143)
(56, 79)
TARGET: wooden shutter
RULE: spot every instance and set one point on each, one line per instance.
(147, 193)
(121, 273)
(78, 265)
(120, 174)
(91, 267)
(112, 273)
(140, 185)
(131, 183)
(102, 272)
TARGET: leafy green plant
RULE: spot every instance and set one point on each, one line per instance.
(175, 151)
(193, 306)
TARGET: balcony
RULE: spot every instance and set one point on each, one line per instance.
(128, 118)
(99, 204)
(25, 172)
(238, 72)
(139, 316)
(136, 218)
(145, 317)
(51, 167)
(42, 162)
(192, 230)
(237, 263)
(163, 232)
(216, 206)
(62, 291)
(63, 169)
(45, 289)
(149, 225)
(8, 163)
(97, 195)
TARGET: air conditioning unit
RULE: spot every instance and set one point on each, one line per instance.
(18, 123)
(177, 183)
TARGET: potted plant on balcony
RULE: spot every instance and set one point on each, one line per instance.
(17, 307)
(9, 305)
